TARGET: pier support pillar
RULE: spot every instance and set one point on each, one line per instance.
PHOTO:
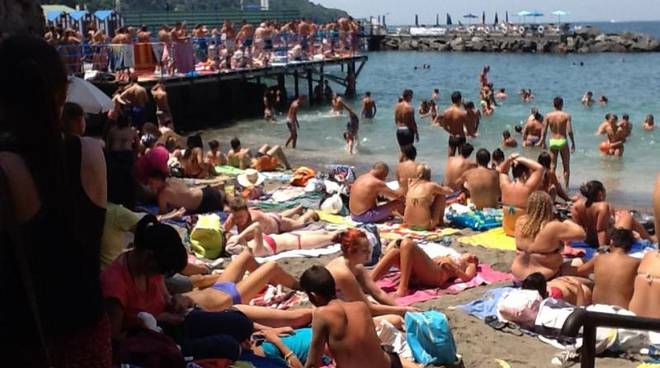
(295, 83)
(310, 88)
(322, 83)
(351, 80)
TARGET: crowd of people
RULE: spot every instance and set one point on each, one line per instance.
(83, 294)
(178, 49)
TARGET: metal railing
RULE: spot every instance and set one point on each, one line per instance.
(590, 321)
(278, 49)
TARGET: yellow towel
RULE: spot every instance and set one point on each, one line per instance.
(335, 219)
(648, 365)
(494, 239)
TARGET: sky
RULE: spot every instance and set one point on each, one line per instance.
(403, 11)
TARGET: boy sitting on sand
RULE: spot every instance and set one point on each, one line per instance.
(614, 272)
(354, 346)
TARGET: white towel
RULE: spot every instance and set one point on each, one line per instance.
(302, 253)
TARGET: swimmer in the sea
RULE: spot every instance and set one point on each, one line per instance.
(369, 109)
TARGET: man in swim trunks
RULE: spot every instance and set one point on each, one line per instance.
(404, 120)
(238, 156)
(482, 182)
(527, 177)
(163, 113)
(246, 37)
(293, 123)
(457, 166)
(351, 347)
(136, 97)
(560, 125)
(366, 189)
(406, 169)
(455, 121)
(368, 106)
(172, 193)
(473, 117)
(533, 129)
(615, 136)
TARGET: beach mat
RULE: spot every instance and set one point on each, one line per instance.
(302, 253)
(485, 276)
(397, 231)
(493, 239)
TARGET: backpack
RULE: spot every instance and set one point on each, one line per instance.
(520, 306)
(430, 338)
(206, 238)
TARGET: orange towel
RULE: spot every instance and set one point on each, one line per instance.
(144, 57)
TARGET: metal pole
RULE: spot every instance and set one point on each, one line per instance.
(588, 355)
(310, 87)
(295, 83)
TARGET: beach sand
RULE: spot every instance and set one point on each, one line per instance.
(479, 344)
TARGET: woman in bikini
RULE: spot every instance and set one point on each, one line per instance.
(527, 176)
(551, 184)
(540, 238)
(267, 245)
(645, 301)
(192, 161)
(417, 268)
(425, 201)
(599, 218)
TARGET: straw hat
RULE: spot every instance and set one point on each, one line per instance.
(250, 178)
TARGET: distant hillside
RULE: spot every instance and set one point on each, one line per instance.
(307, 9)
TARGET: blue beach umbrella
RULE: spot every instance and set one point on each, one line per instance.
(559, 14)
(535, 14)
(523, 14)
(496, 19)
(448, 19)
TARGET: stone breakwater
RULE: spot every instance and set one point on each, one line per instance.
(581, 41)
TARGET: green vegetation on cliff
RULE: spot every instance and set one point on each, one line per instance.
(306, 8)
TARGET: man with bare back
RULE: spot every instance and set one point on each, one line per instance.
(404, 119)
(293, 123)
(455, 119)
(560, 125)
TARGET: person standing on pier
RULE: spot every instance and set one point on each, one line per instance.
(293, 123)
(404, 119)
(560, 124)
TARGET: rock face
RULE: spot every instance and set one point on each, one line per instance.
(21, 16)
(588, 40)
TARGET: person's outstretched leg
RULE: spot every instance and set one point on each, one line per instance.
(566, 163)
(289, 224)
(408, 249)
(317, 239)
(276, 151)
(267, 273)
(235, 271)
(391, 258)
(271, 317)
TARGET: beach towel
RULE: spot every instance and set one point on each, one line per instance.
(184, 61)
(392, 231)
(485, 276)
(494, 239)
(638, 249)
(487, 304)
(336, 219)
(144, 58)
(301, 253)
(227, 170)
(275, 297)
(464, 216)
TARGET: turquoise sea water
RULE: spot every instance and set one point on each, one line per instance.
(631, 82)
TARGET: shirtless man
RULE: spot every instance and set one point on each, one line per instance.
(163, 113)
(368, 106)
(501, 94)
(228, 36)
(406, 170)
(364, 195)
(238, 156)
(649, 123)
(625, 126)
(457, 166)
(245, 38)
(587, 99)
(136, 96)
(164, 34)
(248, 220)
(293, 123)
(614, 272)
(455, 121)
(527, 177)
(473, 117)
(305, 32)
(173, 193)
(404, 120)
(144, 36)
(482, 182)
(355, 346)
(533, 129)
(336, 105)
(560, 125)
(645, 301)
(615, 136)
(260, 35)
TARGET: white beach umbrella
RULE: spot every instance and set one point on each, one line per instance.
(559, 14)
(523, 14)
(88, 96)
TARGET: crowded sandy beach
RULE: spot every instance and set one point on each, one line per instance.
(146, 246)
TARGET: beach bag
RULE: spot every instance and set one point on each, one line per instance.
(520, 307)
(342, 173)
(333, 204)
(374, 241)
(207, 238)
(301, 176)
(430, 338)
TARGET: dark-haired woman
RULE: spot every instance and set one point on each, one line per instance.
(550, 183)
(598, 217)
(52, 201)
(192, 161)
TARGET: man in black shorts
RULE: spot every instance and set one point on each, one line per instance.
(455, 123)
(404, 118)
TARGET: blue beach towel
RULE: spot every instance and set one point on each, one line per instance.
(479, 220)
(639, 247)
(486, 305)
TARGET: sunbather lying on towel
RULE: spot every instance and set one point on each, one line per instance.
(420, 269)
(573, 290)
(266, 245)
(269, 223)
(172, 193)
(352, 279)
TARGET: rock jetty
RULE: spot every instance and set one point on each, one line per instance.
(589, 40)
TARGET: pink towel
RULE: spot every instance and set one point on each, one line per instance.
(485, 276)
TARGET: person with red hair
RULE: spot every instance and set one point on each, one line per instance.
(352, 279)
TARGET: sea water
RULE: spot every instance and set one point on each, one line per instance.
(630, 81)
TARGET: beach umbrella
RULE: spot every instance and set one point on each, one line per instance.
(506, 17)
(524, 14)
(535, 14)
(91, 99)
(470, 16)
(437, 19)
(559, 14)
(496, 19)
(483, 17)
(448, 19)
